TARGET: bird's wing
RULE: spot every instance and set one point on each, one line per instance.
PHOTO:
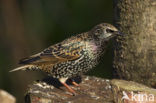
(55, 54)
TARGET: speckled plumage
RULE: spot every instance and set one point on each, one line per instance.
(73, 56)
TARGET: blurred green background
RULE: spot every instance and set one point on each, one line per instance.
(29, 26)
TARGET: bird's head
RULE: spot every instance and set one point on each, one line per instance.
(104, 32)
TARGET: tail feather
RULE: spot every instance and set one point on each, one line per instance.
(29, 60)
(25, 67)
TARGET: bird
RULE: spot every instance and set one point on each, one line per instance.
(73, 56)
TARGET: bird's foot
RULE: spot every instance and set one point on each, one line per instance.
(69, 89)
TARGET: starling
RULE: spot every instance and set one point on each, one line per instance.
(73, 56)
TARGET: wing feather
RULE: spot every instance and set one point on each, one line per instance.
(55, 54)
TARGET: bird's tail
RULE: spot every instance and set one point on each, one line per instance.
(25, 67)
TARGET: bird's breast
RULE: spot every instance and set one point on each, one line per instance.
(91, 48)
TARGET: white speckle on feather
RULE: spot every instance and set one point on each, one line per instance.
(39, 84)
(36, 91)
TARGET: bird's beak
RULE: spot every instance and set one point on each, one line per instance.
(119, 33)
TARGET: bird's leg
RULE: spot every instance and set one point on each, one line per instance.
(63, 81)
(69, 88)
(74, 83)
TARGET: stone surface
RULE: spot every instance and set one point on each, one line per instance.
(91, 90)
(132, 92)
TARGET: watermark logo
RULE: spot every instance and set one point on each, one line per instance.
(138, 97)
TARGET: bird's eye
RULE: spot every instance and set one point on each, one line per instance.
(109, 31)
(98, 31)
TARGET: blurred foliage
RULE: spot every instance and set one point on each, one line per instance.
(29, 26)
